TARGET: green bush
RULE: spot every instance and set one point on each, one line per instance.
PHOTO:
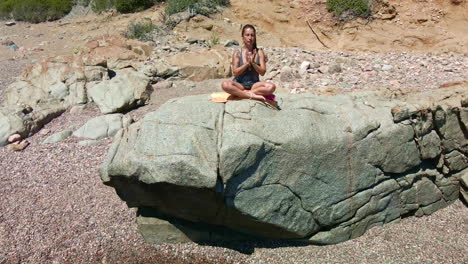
(130, 6)
(100, 6)
(81, 2)
(141, 30)
(6, 8)
(203, 7)
(37, 11)
(350, 8)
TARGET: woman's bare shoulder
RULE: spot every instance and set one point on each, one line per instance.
(236, 53)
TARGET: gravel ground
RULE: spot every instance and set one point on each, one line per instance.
(346, 72)
(54, 208)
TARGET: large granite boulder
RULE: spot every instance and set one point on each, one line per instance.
(323, 169)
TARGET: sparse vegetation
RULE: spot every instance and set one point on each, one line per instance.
(35, 11)
(203, 7)
(131, 6)
(346, 9)
(214, 40)
(141, 30)
(100, 6)
(6, 8)
(81, 2)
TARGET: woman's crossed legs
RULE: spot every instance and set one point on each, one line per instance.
(257, 92)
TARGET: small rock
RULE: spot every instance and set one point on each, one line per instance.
(44, 132)
(286, 74)
(336, 68)
(368, 68)
(14, 138)
(376, 67)
(305, 65)
(7, 43)
(208, 27)
(192, 40)
(315, 65)
(324, 69)
(18, 146)
(198, 18)
(13, 47)
(231, 43)
(162, 85)
(57, 137)
(387, 67)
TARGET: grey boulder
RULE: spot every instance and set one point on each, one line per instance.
(322, 170)
(102, 126)
(126, 90)
(57, 137)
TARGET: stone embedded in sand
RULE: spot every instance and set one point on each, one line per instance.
(57, 137)
(18, 145)
(387, 67)
(323, 69)
(286, 74)
(335, 68)
(305, 65)
(103, 126)
(14, 138)
(323, 169)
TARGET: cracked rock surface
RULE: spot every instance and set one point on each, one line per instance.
(323, 169)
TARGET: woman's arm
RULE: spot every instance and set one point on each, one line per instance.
(261, 69)
(238, 70)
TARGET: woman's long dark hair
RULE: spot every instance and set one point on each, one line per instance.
(255, 32)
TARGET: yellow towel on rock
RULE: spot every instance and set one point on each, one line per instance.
(222, 97)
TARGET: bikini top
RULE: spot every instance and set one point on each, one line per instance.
(250, 74)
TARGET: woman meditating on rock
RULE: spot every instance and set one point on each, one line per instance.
(247, 64)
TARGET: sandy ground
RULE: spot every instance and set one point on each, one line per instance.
(54, 208)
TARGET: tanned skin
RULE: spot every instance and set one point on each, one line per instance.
(249, 56)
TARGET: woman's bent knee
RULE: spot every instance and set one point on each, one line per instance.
(226, 85)
(271, 87)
